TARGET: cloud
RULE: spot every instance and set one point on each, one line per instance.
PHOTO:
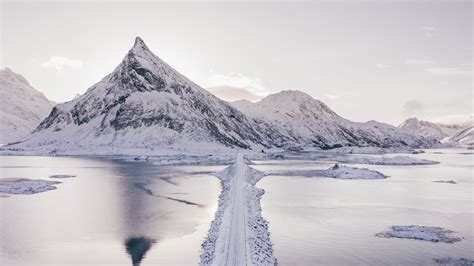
(236, 80)
(448, 71)
(419, 62)
(413, 107)
(457, 119)
(429, 31)
(331, 96)
(382, 66)
(232, 94)
(60, 63)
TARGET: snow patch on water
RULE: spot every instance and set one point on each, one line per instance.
(345, 172)
(337, 171)
(25, 186)
(426, 233)
(454, 262)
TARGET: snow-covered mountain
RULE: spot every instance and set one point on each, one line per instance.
(428, 129)
(464, 138)
(458, 135)
(144, 103)
(293, 119)
(22, 108)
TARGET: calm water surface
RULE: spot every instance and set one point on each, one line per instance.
(328, 221)
(114, 213)
(123, 213)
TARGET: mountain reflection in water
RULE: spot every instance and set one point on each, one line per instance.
(137, 247)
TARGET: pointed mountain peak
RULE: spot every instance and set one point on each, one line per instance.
(139, 42)
(139, 46)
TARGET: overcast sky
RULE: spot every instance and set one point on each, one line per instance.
(380, 60)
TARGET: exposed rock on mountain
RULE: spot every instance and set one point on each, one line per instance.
(145, 103)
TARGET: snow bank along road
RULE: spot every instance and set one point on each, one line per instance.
(239, 234)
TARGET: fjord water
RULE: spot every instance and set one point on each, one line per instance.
(131, 213)
(332, 222)
(112, 212)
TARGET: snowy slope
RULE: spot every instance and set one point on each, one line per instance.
(464, 137)
(144, 103)
(22, 108)
(458, 135)
(293, 119)
(429, 129)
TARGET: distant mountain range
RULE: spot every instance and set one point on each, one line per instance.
(450, 134)
(293, 119)
(145, 103)
(22, 108)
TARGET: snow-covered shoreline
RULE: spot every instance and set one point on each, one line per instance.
(157, 156)
(388, 158)
(224, 245)
(383, 160)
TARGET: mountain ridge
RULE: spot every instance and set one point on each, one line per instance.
(145, 103)
(449, 134)
(311, 122)
(143, 92)
(22, 107)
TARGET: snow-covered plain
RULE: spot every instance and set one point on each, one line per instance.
(426, 233)
(25, 186)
